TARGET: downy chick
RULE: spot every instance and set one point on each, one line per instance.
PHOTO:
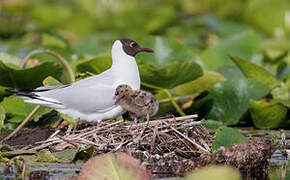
(140, 104)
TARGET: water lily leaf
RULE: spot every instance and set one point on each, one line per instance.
(203, 83)
(165, 51)
(257, 13)
(114, 167)
(267, 114)
(243, 44)
(2, 117)
(50, 81)
(10, 59)
(14, 106)
(230, 72)
(281, 94)
(215, 173)
(226, 136)
(256, 72)
(211, 124)
(231, 99)
(86, 154)
(11, 154)
(96, 65)
(65, 156)
(171, 75)
(28, 78)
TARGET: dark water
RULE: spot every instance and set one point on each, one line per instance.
(279, 169)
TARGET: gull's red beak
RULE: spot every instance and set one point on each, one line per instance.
(141, 49)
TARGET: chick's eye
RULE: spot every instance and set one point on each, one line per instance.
(121, 91)
(133, 44)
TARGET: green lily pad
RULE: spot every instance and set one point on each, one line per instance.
(215, 173)
(14, 106)
(171, 75)
(96, 65)
(65, 156)
(114, 167)
(165, 51)
(10, 154)
(226, 136)
(231, 99)
(10, 59)
(50, 81)
(244, 44)
(267, 114)
(203, 83)
(2, 117)
(256, 72)
(230, 72)
(281, 94)
(85, 154)
(28, 78)
(211, 124)
(257, 14)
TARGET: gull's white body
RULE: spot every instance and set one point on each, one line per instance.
(92, 99)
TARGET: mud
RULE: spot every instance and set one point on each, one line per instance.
(26, 136)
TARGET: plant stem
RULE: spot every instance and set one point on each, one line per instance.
(22, 65)
(151, 86)
(179, 110)
(22, 123)
(59, 58)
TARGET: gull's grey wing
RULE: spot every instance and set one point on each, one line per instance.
(96, 88)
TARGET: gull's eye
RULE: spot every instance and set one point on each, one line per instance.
(121, 91)
(133, 44)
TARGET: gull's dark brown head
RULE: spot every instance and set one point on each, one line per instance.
(122, 91)
(132, 48)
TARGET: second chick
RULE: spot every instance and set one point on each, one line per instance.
(140, 104)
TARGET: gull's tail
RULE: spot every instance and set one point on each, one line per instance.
(34, 97)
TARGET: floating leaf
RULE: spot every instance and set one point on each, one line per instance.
(10, 59)
(281, 93)
(257, 14)
(96, 65)
(28, 78)
(215, 173)
(65, 156)
(171, 75)
(244, 44)
(256, 72)
(230, 72)
(165, 51)
(14, 106)
(267, 114)
(211, 124)
(86, 154)
(11, 154)
(203, 83)
(50, 81)
(231, 99)
(226, 136)
(113, 167)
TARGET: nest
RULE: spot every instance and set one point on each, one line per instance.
(168, 147)
(181, 135)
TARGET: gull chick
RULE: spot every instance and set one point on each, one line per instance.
(140, 104)
(92, 99)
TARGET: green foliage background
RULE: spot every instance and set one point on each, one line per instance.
(226, 60)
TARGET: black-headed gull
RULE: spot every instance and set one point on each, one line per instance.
(140, 104)
(92, 99)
